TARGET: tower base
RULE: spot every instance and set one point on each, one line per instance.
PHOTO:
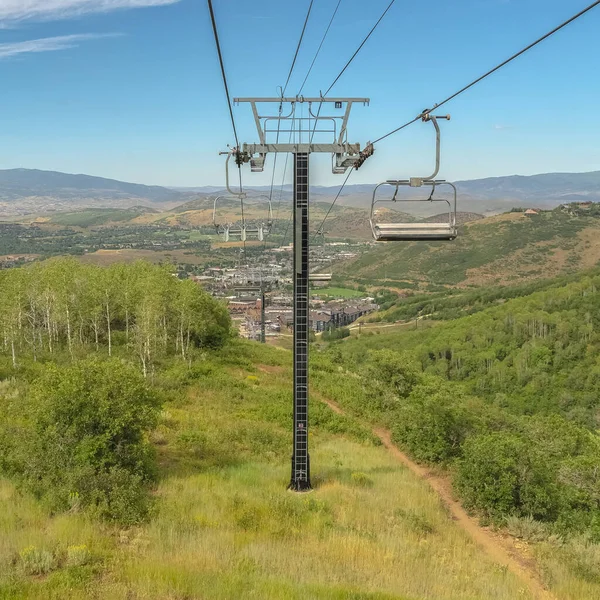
(300, 481)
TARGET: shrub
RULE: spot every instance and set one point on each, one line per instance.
(88, 439)
(503, 474)
(36, 561)
(434, 422)
(78, 556)
(335, 333)
(527, 528)
(392, 370)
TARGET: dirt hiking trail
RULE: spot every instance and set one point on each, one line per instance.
(501, 549)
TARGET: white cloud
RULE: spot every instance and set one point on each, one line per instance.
(50, 44)
(22, 10)
(503, 127)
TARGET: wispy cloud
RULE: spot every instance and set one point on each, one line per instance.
(50, 44)
(12, 11)
(503, 127)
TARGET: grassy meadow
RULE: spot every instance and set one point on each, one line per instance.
(222, 524)
(339, 292)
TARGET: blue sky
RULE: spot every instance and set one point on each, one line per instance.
(131, 89)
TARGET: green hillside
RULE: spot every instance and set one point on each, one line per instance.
(160, 471)
(507, 399)
(498, 250)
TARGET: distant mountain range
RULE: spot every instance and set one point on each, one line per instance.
(492, 194)
(16, 184)
(549, 188)
(29, 190)
(498, 194)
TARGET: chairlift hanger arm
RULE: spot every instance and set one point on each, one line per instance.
(240, 194)
(433, 119)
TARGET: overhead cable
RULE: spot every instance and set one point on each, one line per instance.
(312, 64)
(360, 47)
(229, 105)
(298, 47)
(491, 71)
(320, 229)
(283, 90)
(348, 64)
(467, 87)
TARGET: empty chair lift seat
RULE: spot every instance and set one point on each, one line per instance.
(389, 232)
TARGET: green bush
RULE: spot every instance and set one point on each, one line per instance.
(433, 424)
(36, 561)
(503, 474)
(335, 333)
(86, 444)
(392, 370)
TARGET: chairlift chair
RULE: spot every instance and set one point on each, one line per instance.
(260, 228)
(320, 277)
(241, 230)
(417, 231)
(228, 230)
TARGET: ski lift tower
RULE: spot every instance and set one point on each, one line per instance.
(302, 131)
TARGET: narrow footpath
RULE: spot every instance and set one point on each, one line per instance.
(503, 549)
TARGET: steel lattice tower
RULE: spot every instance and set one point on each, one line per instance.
(345, 156)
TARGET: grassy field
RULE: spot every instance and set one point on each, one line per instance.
(105, 258)
(95, 216)
(224, 527)
(339, 292)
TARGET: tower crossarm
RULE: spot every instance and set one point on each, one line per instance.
(345, 154)
(333, 148)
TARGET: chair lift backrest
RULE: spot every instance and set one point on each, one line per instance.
(225, 229)
(263, 227)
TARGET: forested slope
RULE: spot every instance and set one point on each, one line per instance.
(536, 353)
(507, 398)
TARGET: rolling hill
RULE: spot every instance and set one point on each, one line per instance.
(506, 396)
(545, 190)
(502, 249)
